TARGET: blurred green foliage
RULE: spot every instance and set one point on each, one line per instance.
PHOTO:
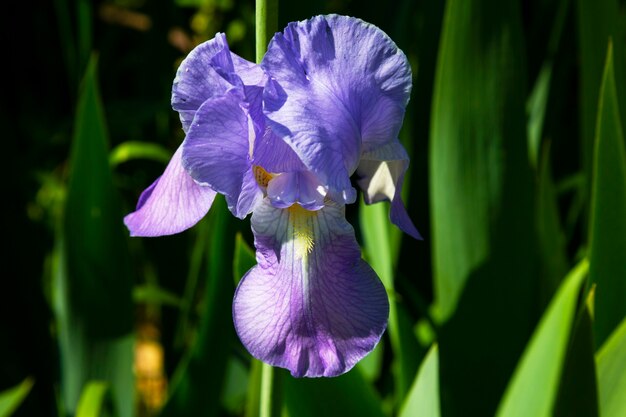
(517, 182)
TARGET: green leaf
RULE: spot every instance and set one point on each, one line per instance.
(536, 107)
(578, 391)
(480, 182)
(253, 400)
(533, 387)
(184, 330)
(235, 386)
(597, 22)
(346, 395)
(485, 261)
(607, 244)
(92, 266)
(128, 151)
(93, 230)
(93, 401)
(374, 221)
(11, 398)
(244, 258)
(552, 243)
(371, 365)
(153, 294)
(423, 398)
(538, 99)
(611, 365)
(196, 386)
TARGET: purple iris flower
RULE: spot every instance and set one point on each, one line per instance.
(281, 140)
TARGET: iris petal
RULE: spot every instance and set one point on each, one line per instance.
(209, 71)
(381, 173)
(296, 187)
(173, 203)
(343, 88)
(217, 152)
(311, 305)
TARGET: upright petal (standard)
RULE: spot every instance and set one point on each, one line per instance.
(343, 87)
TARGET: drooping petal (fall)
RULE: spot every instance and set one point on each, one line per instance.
(342, 86)
(381, 175)
(311, 305)
(217, 151)
(173, 203)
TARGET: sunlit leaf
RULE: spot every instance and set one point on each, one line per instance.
(607, 243)
(533, 387)
(485, 262)
(11, 398)
(611, 366)
(93, 401)
(480, 180)
(374, 220)
(128, 151)
(423, 398)
(371, 365)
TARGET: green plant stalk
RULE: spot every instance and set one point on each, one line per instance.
(266, 25)
(270, 401)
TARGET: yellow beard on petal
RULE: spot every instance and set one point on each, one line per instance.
(302, 230)
(262, 176)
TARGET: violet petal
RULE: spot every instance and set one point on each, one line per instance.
(216, 152)
(344, 85)
(173, 203)
(381, 175)
(209, 71)
(311, 305)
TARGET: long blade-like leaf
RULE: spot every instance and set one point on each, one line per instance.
(423, 399)
(11, 398)
(597, 23)
(608, 212)
(533, 388)
(611, 367)
(481, 186)
(93, 268)
(93, 399)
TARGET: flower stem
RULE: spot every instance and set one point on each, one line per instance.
(266, 25)
(270, 401)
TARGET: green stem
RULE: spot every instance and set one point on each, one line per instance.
(266, 25)
(270, 401)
